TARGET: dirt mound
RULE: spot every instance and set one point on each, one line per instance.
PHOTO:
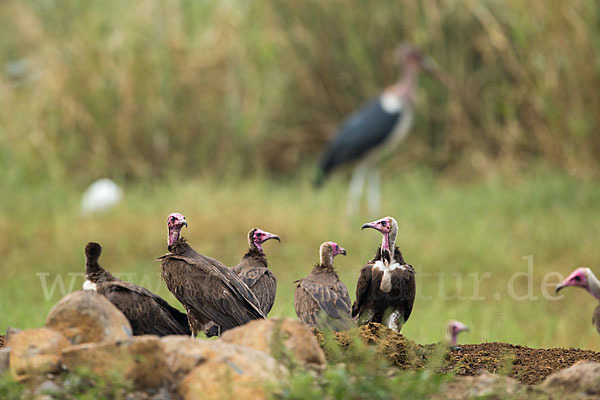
(529, 366)
(2, 341)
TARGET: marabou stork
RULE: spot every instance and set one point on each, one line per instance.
(375, 129)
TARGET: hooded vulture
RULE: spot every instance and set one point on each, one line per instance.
(253, 269)
(385, 291)
(208, 290)
(321, 300)
(585, 278)
(147, 313)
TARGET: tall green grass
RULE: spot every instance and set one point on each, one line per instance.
(448, 232)
(154, 88)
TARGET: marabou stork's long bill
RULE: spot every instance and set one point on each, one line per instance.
(375, 129)
(585, 278)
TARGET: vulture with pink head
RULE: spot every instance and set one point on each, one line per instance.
(253, 269)
(453, 329)
(321, 300)
(385, 291)
(147, 313)
(208, 290)
(585, 278)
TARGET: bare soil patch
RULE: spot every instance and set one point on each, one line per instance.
(529, 366)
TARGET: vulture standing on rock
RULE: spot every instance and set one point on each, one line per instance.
(208, 290)
(148, 313)
(385, 291)
(253, 269)
(321, 299)
(585, 278)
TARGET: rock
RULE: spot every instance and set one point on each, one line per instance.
(488, 386)
(184, 354)
(279, 337)
(582, 377)
(86, 316)
(230, 371)
(139, 359)
(36, 351)
(48, 387)
(11, 331)
(4, 356)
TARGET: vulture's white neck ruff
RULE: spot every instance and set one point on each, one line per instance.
(89, 285)
(386, 280)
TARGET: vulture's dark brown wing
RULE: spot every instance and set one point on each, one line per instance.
(263, 284)
(210, 290)
(147, 312)
(342, 291)
(306, 307)
(363, 289)
(327, 299)
(404, 289)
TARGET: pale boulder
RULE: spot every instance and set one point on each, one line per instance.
(36, 351)
(280, 338)
(88, 317)
(231, 372)
(139, 359)
(582, 377)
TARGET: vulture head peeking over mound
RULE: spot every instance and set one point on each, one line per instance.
(385, 291)
(585, 278)
(321, 300)
(453, 329)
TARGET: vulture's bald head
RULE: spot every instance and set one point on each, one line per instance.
(581, 277)
(327, 251)
(175, 222)
(388, 228)
(256, 237)
(453, 329)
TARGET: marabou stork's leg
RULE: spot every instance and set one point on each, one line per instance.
(374, 192)
(356, 188)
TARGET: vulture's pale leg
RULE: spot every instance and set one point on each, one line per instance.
(395, 321)
(356, 187)
(374, 192)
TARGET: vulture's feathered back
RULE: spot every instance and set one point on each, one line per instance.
(386, 289)
(208, 290)
(148, 313)
(321, 300)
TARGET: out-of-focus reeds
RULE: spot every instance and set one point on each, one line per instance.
(158, 87)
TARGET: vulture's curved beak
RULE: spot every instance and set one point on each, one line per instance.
(274, 237)
(559, 287)
(368, 225)
(342, 251)
(185, 223)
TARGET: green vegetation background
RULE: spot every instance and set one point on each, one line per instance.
(218, 110)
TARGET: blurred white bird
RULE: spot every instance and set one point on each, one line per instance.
(101, 196)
